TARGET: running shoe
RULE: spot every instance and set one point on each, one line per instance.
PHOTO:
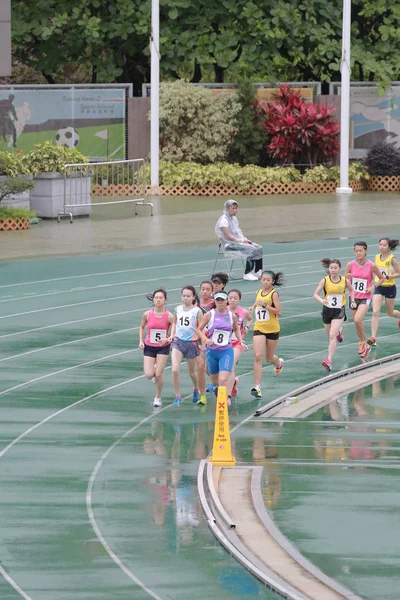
(340, 335)
(196, 396)
(210, 388)
(153, 379)
(229, 400)
(278, 370)
(366, 351)
(177, 402)
(327, 364)
(256, 392)
(234, 389)
(371, 341)
(216, 391)
(250, 277)
(361, 347)
(202, 401)
(157, 402)
(258, 274)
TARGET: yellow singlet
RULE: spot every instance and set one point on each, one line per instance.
(385, 267)
(335, 293)
(265, 321)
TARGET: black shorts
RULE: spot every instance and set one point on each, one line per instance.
(359, 301)
(329, 314)
(387, 291)
(269, 336)
(152, 351)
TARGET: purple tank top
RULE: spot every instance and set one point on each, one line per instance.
(220, 330)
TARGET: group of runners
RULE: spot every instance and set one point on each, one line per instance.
(208, 329)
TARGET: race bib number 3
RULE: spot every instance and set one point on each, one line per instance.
(360, 285)
(220, 337)
(262, 314)
(335, 300)
(156, 335)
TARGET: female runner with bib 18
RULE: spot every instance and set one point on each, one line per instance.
(361, 272)
(388, 265)
(334, 302)
(267, 310)
(156, 345)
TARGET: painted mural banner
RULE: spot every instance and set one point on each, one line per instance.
(374, 117)
(93, 120)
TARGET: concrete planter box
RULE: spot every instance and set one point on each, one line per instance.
(47, 197)
(19, 201)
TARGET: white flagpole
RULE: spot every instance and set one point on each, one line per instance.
(155, 92)
(345, 101)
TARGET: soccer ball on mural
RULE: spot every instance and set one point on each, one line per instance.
(67, 136)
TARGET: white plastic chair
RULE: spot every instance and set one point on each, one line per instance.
(229, 257)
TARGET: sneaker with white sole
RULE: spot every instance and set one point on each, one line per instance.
(250, 277)
(256, 392)
(202, 401)
(177, 402)
(258, 274)
(278, 369)
(157, 402)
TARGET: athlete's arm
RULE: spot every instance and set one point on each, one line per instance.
(347, 273)
(275, 310)
(316, 294)
(173, 328)
(381, 278)
(350, 290)
(143, 324)
(396, 266)
(249, 317)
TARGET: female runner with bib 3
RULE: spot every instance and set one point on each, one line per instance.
(334, 302)
(389, 267)
(361, 272)
(266, 310)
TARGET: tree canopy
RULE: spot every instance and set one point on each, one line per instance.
(204, 40)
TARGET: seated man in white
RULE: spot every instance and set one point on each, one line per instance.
(228, 230)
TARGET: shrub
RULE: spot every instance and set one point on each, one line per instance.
(15, 187)
(48, 158)
(195, 125)
(300, 133)
(14, 213)
(248, 143)
(383, 159)
(11, 165)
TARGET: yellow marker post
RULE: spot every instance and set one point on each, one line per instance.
(222, 452)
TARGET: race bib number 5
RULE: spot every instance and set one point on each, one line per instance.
(220, 337)
(156, 335)
(262, 314)
(335, 300)
(360, 285)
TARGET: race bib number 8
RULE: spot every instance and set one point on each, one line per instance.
(262, 314)
(335, 300)
(360, 285)
(156, 335)
(220, 337)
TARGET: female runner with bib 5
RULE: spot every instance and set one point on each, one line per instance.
(361, 273)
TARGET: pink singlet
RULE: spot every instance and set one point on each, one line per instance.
(240, 316)
(361, 278)
(157, 328)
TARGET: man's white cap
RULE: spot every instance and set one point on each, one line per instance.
(230, 203)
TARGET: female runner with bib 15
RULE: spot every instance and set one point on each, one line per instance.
(185, 337)
(267, 310)
(220, 323)
(388, 265)
(156, 345)
(334, 302)
(361, 272)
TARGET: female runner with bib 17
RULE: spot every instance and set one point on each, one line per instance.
(388, 265)
(361, 272)
(156, 345)
(267, 310)
(334, 302)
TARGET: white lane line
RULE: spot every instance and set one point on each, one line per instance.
(91, 337)
(67, 369)
(199, 262)
(14, 584)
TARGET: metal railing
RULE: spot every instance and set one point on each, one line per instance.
(87, 185)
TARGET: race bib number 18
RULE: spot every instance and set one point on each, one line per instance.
(360, 285)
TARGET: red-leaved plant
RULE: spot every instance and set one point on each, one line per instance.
(298, 132)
